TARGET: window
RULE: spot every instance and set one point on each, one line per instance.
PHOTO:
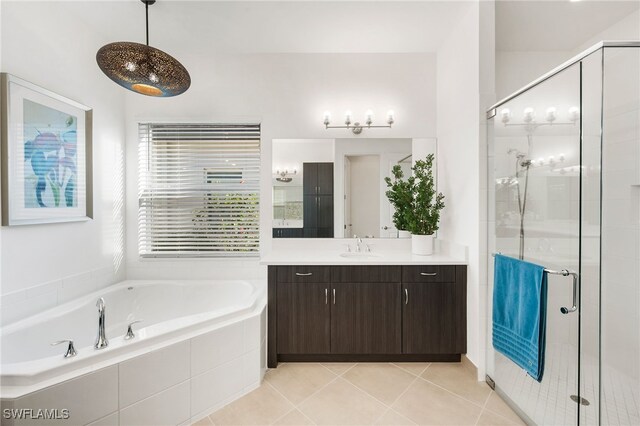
(199, 190)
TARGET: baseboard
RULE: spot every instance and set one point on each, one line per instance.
(470, 366)
(368, 358)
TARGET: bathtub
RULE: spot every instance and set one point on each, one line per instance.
(187, 329)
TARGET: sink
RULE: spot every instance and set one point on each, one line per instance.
(355, 255)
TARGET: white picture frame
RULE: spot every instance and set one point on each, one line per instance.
(46, 144)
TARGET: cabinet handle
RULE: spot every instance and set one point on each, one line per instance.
(428, 274)
(307, 274)
(406, 296)
(334, 295)
(326, 296)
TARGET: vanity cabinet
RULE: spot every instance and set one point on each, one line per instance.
(366, 313)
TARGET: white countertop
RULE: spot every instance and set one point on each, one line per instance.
(382, 253)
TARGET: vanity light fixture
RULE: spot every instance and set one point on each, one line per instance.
(529, 118)
(356, 127)
(143, 69)
(283, 176)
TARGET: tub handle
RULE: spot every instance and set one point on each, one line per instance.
(71, 351)
(130, 334)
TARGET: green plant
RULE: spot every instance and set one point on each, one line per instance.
(426, 202)
(400, 196)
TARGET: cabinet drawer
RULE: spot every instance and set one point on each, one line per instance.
(429, 274)
(366, 274)
(304, 274)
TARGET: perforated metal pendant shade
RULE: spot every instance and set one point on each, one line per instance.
(142, 68)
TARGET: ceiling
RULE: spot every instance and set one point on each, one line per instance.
(204, 27)
(548, 25)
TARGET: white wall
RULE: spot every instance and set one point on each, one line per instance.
(44, 44)
(459, 154)
(515, 69)
(287, 94)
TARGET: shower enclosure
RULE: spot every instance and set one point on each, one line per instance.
(564, 186)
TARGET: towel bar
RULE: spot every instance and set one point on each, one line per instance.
(564, 273)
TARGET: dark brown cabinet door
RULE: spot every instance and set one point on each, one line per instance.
(325, 179)
(303, 318)
(325, 211)
(434, 320)
(310, 178)
(365, 318)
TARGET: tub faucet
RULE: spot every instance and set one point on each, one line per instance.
(101, 340)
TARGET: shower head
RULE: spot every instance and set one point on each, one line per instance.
(519, 154)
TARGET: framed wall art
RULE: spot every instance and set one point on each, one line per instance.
(46, 155)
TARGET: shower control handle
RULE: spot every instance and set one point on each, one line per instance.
(71, 351)
(130, 334)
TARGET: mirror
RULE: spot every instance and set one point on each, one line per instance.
(334, 188)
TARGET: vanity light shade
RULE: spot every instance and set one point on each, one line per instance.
(390, 117)
(143, 69)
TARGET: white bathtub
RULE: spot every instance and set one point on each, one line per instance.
(183, 317)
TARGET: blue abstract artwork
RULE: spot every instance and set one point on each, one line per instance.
(50, 157)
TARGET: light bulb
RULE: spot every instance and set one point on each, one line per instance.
(574, 113)
(130, 66)
(369, 117)
(529, 115)
(347, 117)
(506, 115)
(390, 117)
(327, 118)
(551, 114)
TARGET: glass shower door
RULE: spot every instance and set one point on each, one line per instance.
(535, 175)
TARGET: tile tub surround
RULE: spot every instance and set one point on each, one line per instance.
(369, 393)
(171, 385)
(23, 303)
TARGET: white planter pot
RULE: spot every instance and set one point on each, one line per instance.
(422, 245)
(404, 234)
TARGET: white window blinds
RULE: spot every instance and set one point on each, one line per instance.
(199, 187)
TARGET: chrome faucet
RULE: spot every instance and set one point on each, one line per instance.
(101, 340)
(358, 244)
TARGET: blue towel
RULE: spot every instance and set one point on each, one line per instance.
(519, 313)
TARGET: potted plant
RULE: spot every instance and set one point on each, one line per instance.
(424, 215)
(400, 197)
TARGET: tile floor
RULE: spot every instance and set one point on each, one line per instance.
(367, 394)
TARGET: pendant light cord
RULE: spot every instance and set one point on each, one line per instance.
(146, 10)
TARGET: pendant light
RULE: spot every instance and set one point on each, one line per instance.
(142, 68)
